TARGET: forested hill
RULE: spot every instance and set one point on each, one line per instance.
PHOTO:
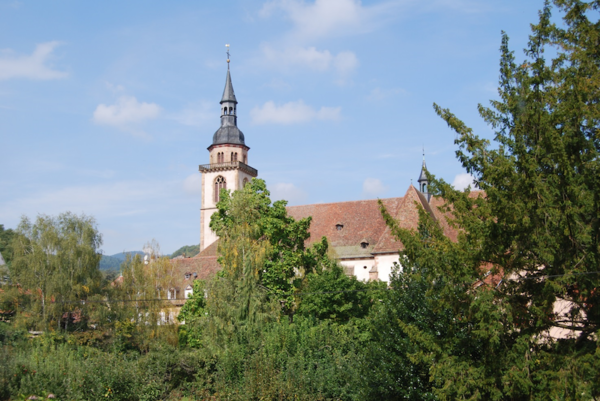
(189, 250)
(113, 262)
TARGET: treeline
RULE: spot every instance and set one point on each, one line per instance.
(509, 310)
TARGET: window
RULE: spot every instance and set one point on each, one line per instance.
(364, 244)
(188, 291)
(172, 294)
(220, 157)
(233, 156)
(339, 226)
(187, 276)
(220, 184)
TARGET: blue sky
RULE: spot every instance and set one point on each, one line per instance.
(107, 108)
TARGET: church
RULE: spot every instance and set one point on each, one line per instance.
(356, 230)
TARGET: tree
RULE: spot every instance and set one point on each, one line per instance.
(246, 221)
(6, 237)
(57, 258)
(331, 294)
(536, 226)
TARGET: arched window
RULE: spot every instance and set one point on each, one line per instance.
(220, 184)
(220, 157)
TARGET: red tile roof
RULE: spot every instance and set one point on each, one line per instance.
(361, 220)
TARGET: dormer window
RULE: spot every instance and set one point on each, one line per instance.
(339, 226)
(195, 275)
(364, 244)
(187, 276)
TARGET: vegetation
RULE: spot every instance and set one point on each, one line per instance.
(471, 319)
(189, 251)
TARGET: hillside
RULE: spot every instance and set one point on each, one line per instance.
(189, 250)
(113, 262)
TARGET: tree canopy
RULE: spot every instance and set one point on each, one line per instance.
(525, 265)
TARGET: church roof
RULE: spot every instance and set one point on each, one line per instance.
(359, 220)
(228, 134)
(228, 93)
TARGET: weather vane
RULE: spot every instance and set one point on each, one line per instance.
(227, 46)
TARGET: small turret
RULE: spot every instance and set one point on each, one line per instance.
(423, 181)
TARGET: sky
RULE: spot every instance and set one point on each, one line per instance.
(107, 108)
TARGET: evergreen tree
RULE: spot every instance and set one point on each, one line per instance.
(530, 241)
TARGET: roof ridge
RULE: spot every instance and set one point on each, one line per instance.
(359, 200)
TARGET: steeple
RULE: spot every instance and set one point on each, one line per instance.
(228, 133)
(228, 93)
(423, 181)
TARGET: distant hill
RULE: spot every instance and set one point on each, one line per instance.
(113, 262)
(189, 250)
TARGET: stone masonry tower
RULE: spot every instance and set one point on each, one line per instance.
(228, 168)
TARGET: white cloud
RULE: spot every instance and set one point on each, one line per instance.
(373, 187)
(34, 66)
(330, 17)
(462, 181)
(297, 57)
(193, 184)
(292, 113)
(126, 113)
(288, 192)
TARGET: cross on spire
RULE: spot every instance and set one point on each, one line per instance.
(227, 47)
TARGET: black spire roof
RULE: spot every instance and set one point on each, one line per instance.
(228, 133)
(423, 176)
(228, 93)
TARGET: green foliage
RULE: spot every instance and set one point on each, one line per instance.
(537, 227)
(188, 250)
(331, 294)
(110, 263)
(6, 237)
(57, 258)
(249, 214)
(191, 315)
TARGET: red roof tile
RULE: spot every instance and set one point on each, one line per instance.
(360, 220)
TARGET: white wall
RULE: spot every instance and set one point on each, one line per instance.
(385, 264)
(360, 272)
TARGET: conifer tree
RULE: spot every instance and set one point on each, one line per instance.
(527, 259)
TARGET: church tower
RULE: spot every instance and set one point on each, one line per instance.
(228, 167)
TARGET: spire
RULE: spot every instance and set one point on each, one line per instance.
(229, 133)
(423, 181)
(423, 176)
(228, 94)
